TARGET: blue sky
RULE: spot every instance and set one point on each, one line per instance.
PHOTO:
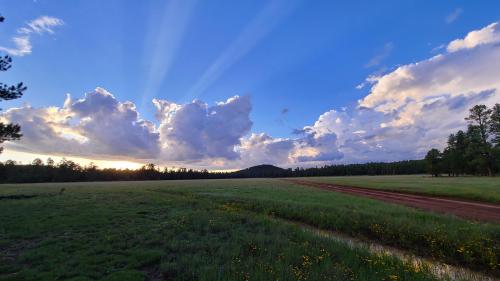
(295, 59)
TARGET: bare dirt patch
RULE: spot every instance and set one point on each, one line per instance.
(461, 208)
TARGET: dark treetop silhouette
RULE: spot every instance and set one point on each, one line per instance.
(475, 151)
(9, 132)
(67, 170)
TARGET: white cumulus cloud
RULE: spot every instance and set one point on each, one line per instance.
(196, 131)
(96, 126)
(416, 106)
(99, 126)
(264, 149)
(487, 35)
(406, 112)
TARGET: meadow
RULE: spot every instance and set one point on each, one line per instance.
(485, 189)
(242, 229)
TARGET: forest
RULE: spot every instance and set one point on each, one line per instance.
(475, 151)
(69, 171)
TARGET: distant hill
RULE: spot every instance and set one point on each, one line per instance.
(261, 171)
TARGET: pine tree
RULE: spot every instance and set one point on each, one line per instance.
(433, 160)
(479, 120)
(495, 124)
(9, 132)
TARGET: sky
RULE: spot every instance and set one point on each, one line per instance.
(224, 85)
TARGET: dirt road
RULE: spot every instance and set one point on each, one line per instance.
(466, 209)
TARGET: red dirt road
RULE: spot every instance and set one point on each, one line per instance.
(461, 208)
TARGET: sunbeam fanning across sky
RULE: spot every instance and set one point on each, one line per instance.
(167, 27)
(274, 13)
(228, 84)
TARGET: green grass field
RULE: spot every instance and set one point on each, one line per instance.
(474, 188)
(222, 230)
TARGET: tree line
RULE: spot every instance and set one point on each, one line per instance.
(475, 151)
(69, 171)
